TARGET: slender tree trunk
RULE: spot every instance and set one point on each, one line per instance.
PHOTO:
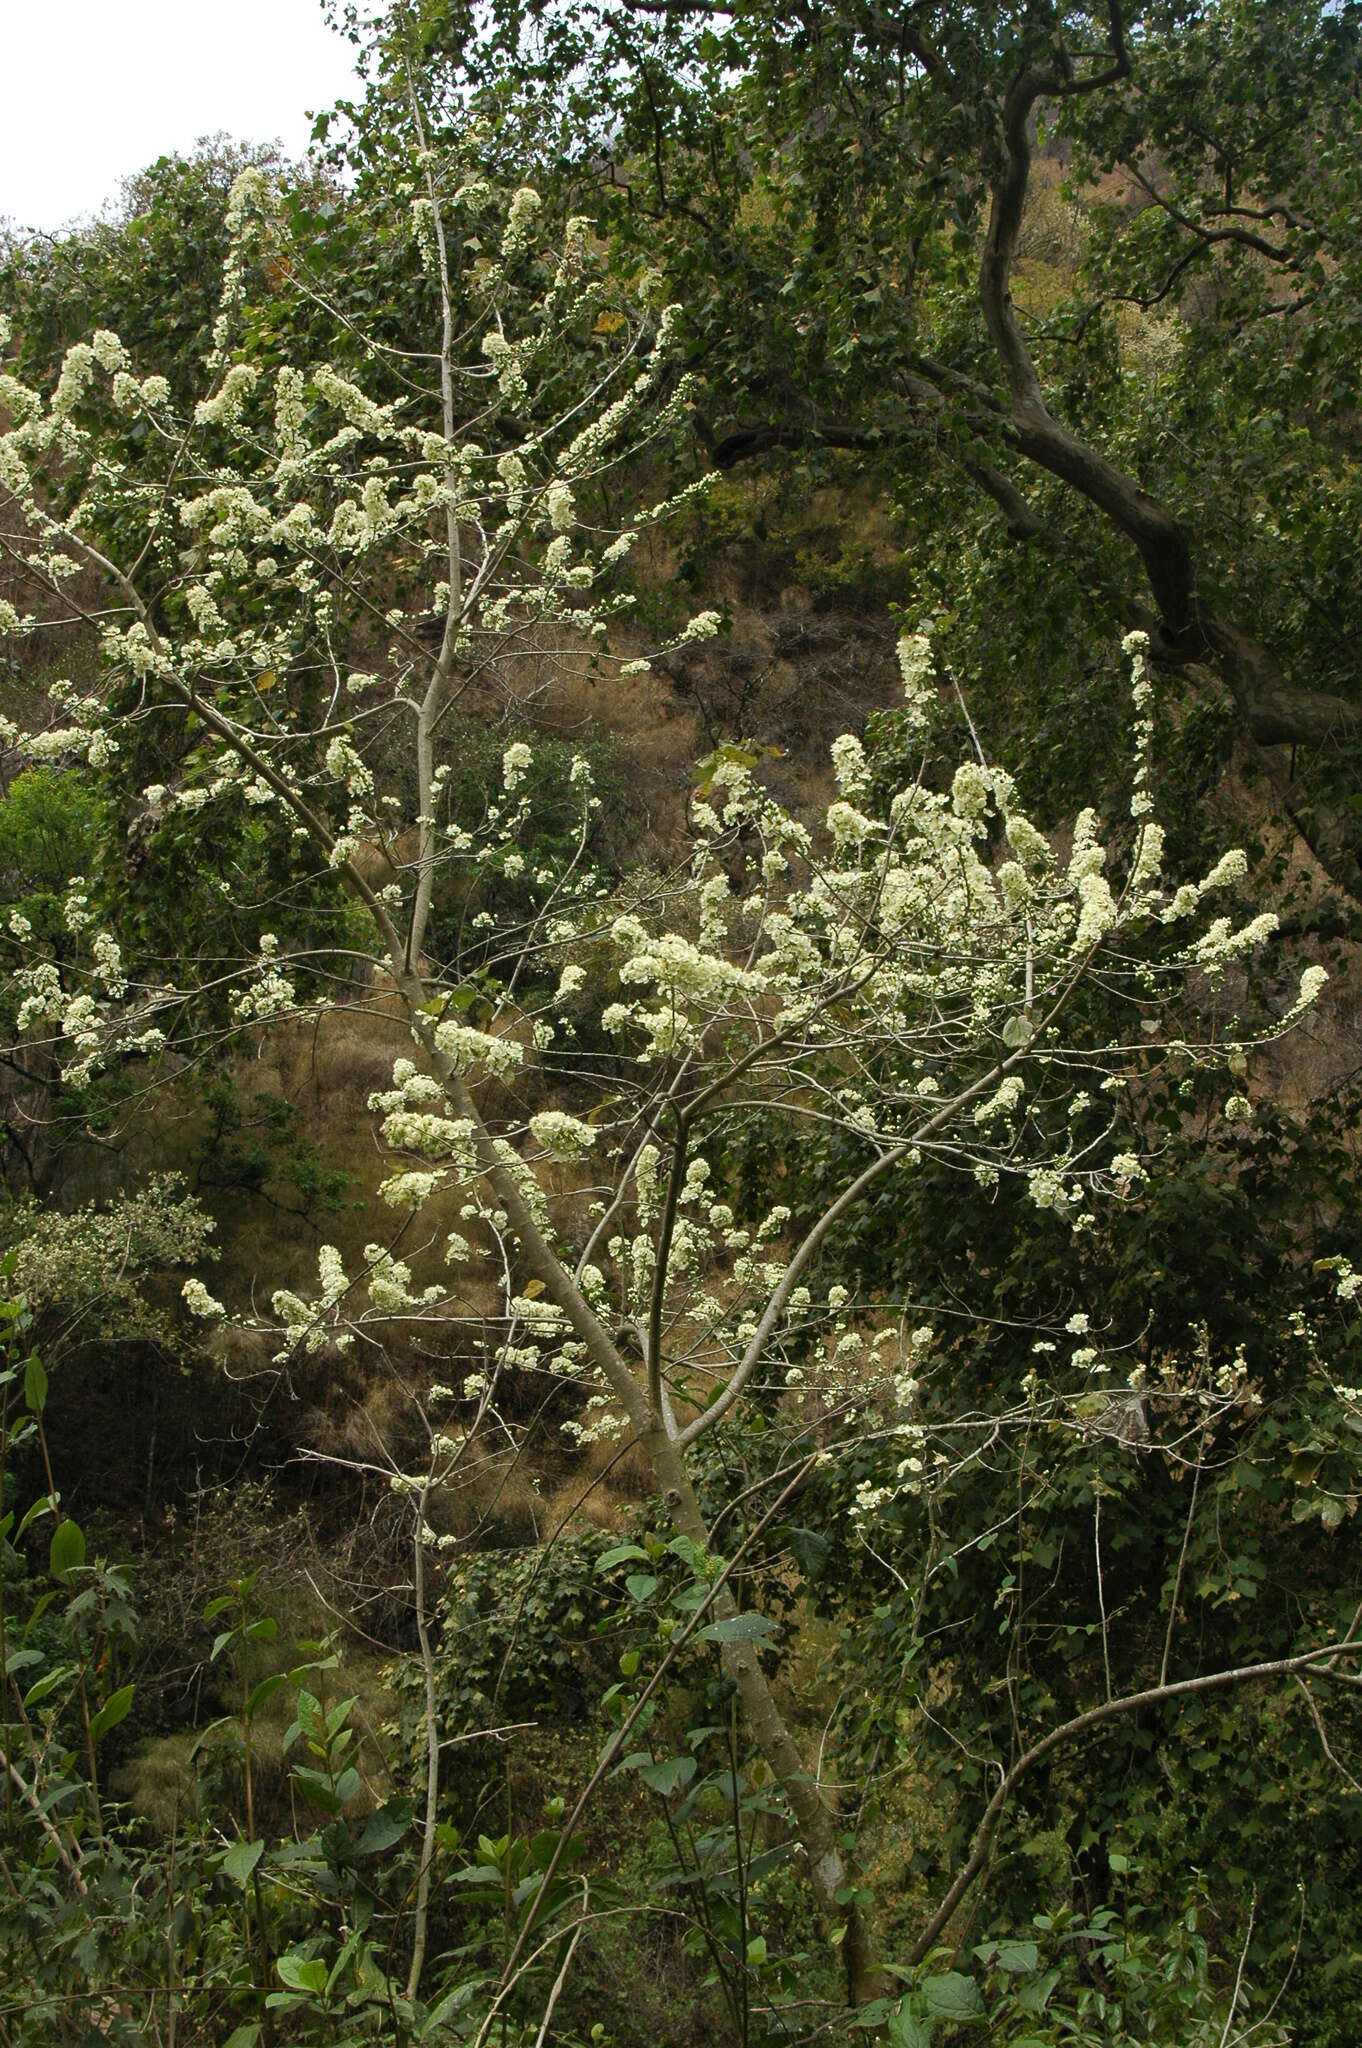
(816, 1823)
(422, 1912)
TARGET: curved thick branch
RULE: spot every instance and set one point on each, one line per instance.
(744, 442)
(1273, 710)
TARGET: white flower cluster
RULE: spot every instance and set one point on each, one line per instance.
(466, 1047)
(516, 763)
(561, 1136)
(916, 666)
(200, 1302)
(520, 218)
(271, 993)
(311, 1326)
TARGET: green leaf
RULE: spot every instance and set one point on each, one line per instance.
(205, 1735)
(812, 1549)
(384, 1827)
(478, 1874)
(35, 1385)
(1018, 1958)
(302, 1973)
(689, 1598)
(952, 1996)
(44, 1505)
(114, 1710)
(241, 1859)
(619, 1555)
(452, 2002)
(66, 1552)
(738, 1628)
(267, 1688)
(669, 1775)
(640, 1586)
(907, 2032)
(317, 1789)
(245, 2036)
(43, 1687)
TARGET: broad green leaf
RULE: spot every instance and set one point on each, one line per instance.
(115, 1709)
(44, 1505)
(669, 1775)
(43, 1688)
(619, 1555)
(317, 1789)
(340, 1714)
(738, 1628)
(241, 1859)
(384, 1827)
(812, 1548)
(1018, 1958)
(205, 1735)
(452, 2002)
(35, 1385)
(952, 1996)
(66, 1552)
(265, 1690)
(302, 1973)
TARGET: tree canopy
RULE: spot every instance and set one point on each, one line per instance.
(746, 1370)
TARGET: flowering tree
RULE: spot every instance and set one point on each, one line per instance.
(299, 578)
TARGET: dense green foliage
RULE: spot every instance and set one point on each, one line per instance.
(1016, 328)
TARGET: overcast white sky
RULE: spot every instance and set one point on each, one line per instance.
(98, 88)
